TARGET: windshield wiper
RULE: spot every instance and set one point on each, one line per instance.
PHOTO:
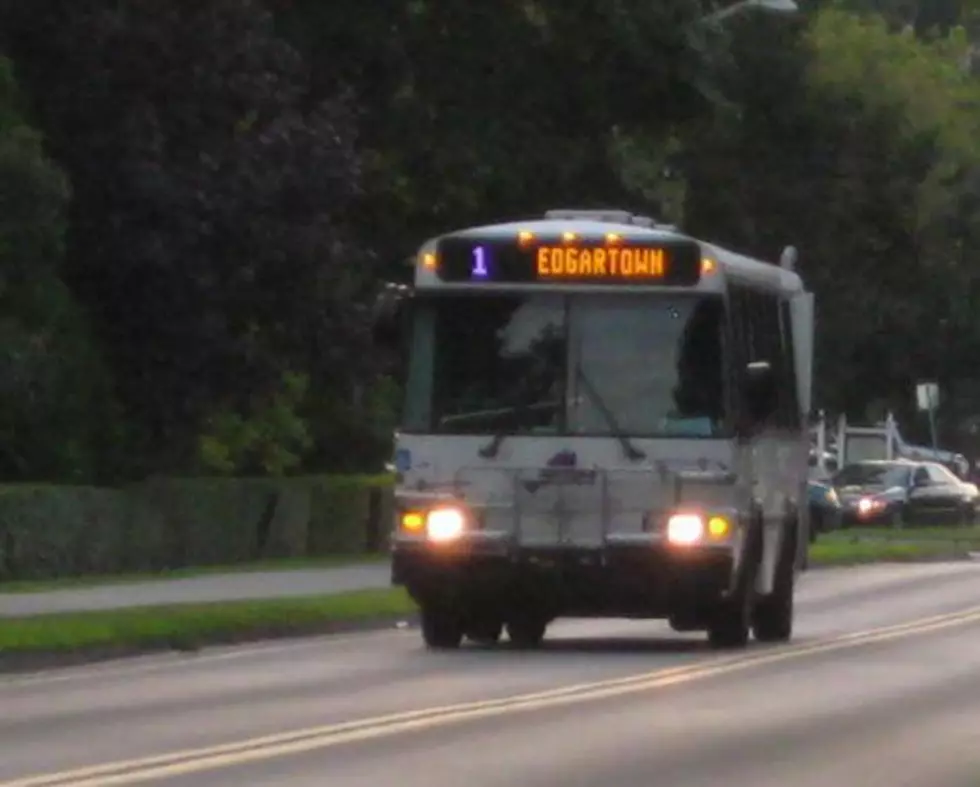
(490, 450)
(632, 453)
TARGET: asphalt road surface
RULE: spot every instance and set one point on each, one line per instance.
(880, 687)
(201, 589)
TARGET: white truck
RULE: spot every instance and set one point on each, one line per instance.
(604, 417)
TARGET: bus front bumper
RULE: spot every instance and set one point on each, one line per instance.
(615, 580)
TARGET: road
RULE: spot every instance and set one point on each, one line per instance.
(867, 694)
(201, 589)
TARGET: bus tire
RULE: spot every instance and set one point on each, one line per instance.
(526, 632)
(731, 624)
(773, 615)
(485, 631)
(442, 629)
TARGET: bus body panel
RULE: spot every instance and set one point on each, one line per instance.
(529, 497)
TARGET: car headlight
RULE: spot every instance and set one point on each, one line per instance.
(869, 505)
(687, 528)
(445, 524)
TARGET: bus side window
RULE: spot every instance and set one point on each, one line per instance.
(766, 341)
(758, 335)
(740, 349)
(788, 391)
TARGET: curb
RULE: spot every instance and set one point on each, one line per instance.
(37, 661)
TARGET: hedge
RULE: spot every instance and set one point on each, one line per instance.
(58, 531)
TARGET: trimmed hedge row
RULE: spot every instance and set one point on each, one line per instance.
(58, 531)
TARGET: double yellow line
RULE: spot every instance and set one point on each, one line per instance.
(181, 763)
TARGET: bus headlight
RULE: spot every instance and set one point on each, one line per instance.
(687, 528)
(445, 524)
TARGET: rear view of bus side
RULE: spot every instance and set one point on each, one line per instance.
(603, 418)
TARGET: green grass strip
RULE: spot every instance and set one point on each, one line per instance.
(194, 625)
(955, 534)
(842, 551)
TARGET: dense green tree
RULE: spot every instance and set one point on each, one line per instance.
(855, 143)
(475, 112)
(55, 405)
(243, 173)
(208, 230)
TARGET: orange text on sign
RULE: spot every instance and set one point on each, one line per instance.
(554, 262)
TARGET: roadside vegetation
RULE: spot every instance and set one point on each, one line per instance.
(199, 204)
(907, 544)
(99, 634)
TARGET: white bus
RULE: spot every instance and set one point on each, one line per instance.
(604, 417)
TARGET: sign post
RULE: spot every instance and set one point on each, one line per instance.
(927, 399)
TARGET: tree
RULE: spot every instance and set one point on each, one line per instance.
(55, 405)
(475, 112)
(852, 142)
(208, 232)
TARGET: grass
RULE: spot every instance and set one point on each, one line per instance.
(833, 550)
(285, 564)
(927, 534)
(187, 627)
(881, 544)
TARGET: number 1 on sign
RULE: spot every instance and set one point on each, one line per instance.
(479, 268)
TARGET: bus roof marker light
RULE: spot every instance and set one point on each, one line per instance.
(429, 261)
(708, 266)
(569, 237)
(525, 238)
(613, 238)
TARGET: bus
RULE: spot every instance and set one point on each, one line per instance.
(603, 417)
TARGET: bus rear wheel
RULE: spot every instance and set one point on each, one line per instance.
(773, 614)
(442, 629)
(527, 631)
(485, 631)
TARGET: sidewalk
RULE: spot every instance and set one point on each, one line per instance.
(239, 586)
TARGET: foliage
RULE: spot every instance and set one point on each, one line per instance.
(272, 441)
(51, 531)
(476, 112)
(54, 398)
(853, 141)
(208, 235)
(242, 173)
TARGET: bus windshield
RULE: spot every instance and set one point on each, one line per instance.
(647, 365)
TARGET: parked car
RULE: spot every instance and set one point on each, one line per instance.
(825, 508)
(894, 492)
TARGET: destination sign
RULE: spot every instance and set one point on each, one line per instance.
(486, 260)
(562, 262)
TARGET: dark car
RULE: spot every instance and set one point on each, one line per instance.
(898, 491)
(825, 507)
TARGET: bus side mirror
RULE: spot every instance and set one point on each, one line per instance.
(758, 392)
(389, 316)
